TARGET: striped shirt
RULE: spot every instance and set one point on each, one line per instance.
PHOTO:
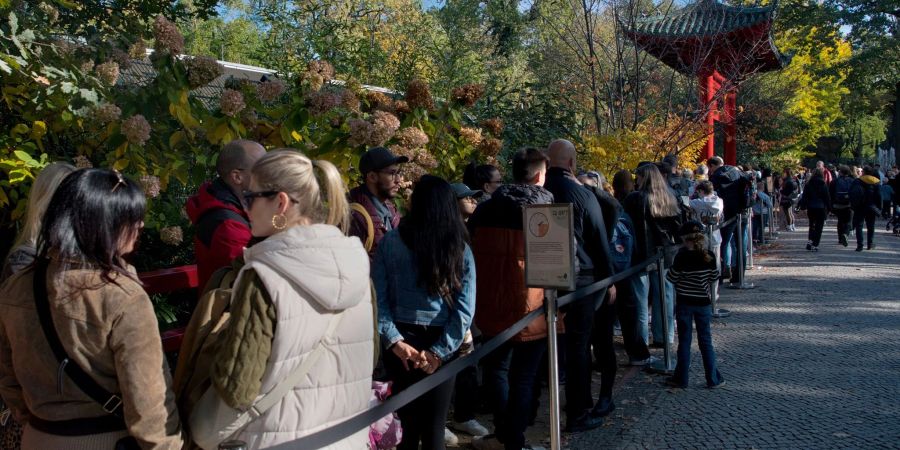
(692, 277)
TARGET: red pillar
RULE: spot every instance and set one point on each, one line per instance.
(731, 127)
(708, 105)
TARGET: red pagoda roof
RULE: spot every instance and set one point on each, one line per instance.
(708, 36)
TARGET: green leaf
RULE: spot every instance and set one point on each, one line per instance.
(5, 67)
(13, 23)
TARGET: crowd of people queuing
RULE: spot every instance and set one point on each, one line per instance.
(311, 292)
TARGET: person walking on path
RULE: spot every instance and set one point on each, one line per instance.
(593, 263)
(693, 273)
(218, 211)
(865, 198)
(816, 201)
(790, 192)
(840, 203)
(424, 276)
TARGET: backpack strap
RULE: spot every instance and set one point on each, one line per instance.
(111, 403)
(370, 226)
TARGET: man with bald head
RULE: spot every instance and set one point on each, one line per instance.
(222, 227)
(594, 263)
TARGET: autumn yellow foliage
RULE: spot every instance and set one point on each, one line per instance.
(649, 141)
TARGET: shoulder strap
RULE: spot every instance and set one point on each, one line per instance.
(370, 226)
(293, 379)
(111, 403)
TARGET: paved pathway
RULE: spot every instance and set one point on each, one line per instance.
(811, 358)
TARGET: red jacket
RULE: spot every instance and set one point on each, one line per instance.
(222, 227)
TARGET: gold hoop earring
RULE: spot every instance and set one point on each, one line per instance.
(279, 221)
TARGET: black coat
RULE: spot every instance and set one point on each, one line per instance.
(815, 194)
(591, 240)
(662, 230)
(504, 208)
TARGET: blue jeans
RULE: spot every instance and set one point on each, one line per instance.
(701, 316)
(641, 285)
(657, 308)
(511, 373)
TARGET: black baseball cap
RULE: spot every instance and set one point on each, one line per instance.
(378, 158)
(463, 191)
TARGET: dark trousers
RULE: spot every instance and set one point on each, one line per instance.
(466, 394)
(602, 340)
(579, 324)
(626, 309)
(702, 317)
(844, 215)
(424, 418)
(868, 217)
(511, 373)
(816, 224)
(728, 234)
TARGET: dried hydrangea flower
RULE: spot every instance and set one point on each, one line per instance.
(86, 66)
(138, 50)
(202, 70)
(491, 146)
(106, 113)
(321, 68)
(385, 125)
(350, 101)
(151, 185)
(270, 90)
(167, 36)
(411, 137)
(322, 102)
(108, 72)
(82, 162)
(136, 129)
(360, 132)
(467, 95)
(50, 11)
(418, 95)
(171, 235)
(471, 136)
(232, 102)
(493, 126)
(377, 101)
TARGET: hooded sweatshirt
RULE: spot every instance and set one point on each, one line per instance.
(865, 194)
(222, 227)
(307, 275)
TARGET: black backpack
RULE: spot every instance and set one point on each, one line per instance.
(842, 191)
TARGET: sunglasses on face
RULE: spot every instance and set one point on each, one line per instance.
(249, 196)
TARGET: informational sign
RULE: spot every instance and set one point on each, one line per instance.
(549, 246)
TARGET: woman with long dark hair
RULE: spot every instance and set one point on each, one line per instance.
(424, 276)
(101, 320)
(656, 216)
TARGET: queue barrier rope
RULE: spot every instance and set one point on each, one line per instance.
(342, 430)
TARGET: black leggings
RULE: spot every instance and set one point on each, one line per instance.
(816, 224)
(424, 418)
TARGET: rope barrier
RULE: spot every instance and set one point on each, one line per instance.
(332, 434)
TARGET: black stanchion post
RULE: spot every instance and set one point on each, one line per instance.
(552, 357)
(667, 365)
(739, 252)
(749, 254)
(714, 287)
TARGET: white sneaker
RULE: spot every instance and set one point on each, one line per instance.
(470, 427)
(450, 438)
(488, 442)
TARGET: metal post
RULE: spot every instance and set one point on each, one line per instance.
(714, 287)
(741, 284)
(552, 357)
(667, 365)
(749, 253)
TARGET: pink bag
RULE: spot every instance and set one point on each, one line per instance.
(386, 433)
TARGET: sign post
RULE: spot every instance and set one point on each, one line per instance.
(550, 264)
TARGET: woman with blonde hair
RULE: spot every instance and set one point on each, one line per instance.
(24, 249)
(301, 310)
(656, 216)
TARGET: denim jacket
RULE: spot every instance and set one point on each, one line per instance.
(402, 300)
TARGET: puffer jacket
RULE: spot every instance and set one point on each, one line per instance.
(109, 330)
(865, 194)
(498, 244)
(222, 228)
(309, 274)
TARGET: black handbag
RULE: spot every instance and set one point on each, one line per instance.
(111, 403)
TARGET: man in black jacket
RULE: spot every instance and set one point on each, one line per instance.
(732, 187)
(594, 263)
